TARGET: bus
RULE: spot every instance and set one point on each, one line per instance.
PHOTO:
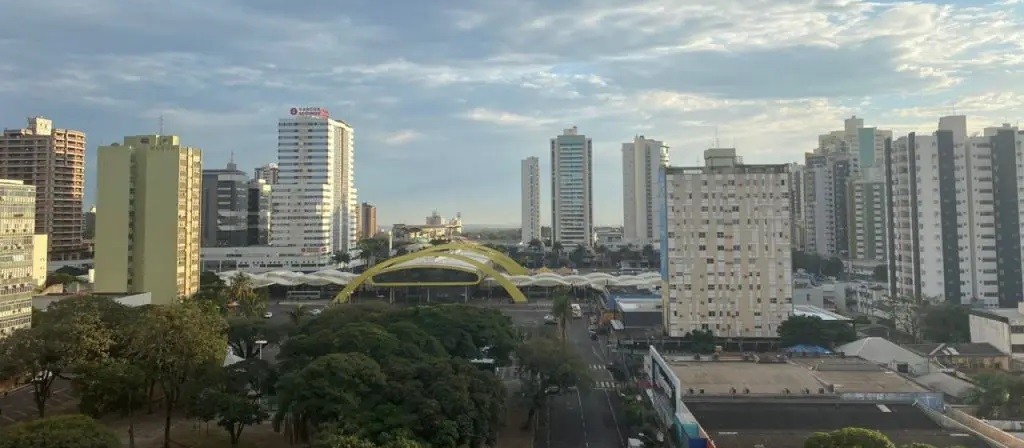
(577, 311)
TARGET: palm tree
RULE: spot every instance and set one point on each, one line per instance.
(557, 247)
(601, 250)
(536, 244)
(298, 313)
(561, 309)
(341, 257)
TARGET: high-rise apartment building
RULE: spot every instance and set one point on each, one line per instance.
(149, 191)
(955, 215)
(17, 226)
(726, 262)
(843, 158)
(367, 220)
(268, 173)
(825, 210)
(642, 160)
(572, 202)
(89, 220)
(530, 184)
(798, 233)
(258, 211)
(52, 160)
(225, 212)
(315, 209)
(866, 201)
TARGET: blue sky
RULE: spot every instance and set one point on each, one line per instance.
(446, 97)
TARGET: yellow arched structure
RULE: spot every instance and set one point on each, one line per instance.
(496, 256)
(444, 250)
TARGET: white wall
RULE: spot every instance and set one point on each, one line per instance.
(993, 331)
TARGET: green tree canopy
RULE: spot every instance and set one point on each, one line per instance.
(947, 322)
(78, 431)
(849, 438)
(175, 344)
(404, 372)
(814, 331)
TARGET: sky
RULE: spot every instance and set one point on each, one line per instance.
(446, 97)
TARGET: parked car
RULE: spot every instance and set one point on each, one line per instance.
(268, 315)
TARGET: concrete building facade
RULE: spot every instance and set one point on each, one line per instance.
(825, 202)
(530, 213)
(17, 282)
(572, 202)
(268, 173)
(642, 160)
(52, 160)
(314, 206)
(726, 262)
(368, 226)
(225, 207)
(798, 226)
(147, 228)
(956, 215)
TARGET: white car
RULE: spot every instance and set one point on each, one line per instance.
(268, 315)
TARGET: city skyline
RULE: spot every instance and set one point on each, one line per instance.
(423, 80)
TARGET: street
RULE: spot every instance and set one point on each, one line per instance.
(580, 418)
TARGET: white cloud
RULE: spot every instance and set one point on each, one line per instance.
(502, 118)
(402, 137)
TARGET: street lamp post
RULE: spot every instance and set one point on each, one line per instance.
(260, 343)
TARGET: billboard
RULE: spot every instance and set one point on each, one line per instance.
(309, 112)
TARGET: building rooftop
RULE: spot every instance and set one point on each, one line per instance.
(1012, 316)
(770, 424)
(983, 349)
(823, 314)
(719, 378)
(812, 376)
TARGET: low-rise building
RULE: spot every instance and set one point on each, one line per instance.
(43, 302)
(260, 259)
(967, 356)
(1003, 328)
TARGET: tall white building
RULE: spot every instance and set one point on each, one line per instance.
(572, 203)
(531, 199)
(727, 266)
(641, 162)
(314, 201)
(955, 215)
(798, 225)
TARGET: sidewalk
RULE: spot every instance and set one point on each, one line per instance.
(512, 435)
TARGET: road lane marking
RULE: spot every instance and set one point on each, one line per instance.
(583, 420)
(614, 420)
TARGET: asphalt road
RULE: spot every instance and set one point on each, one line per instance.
(19, 405)
(586, 418)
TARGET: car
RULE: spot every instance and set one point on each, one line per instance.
(552, 390)
(316, 311)
(268, 315)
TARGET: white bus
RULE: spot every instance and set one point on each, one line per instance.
(577, 311)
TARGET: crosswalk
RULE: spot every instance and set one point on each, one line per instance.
(597, 367)
(606, 385)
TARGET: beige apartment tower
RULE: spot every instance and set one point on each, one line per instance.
(728, 256)
(147, 226)
(52, 160)
(17, 224)
(367, 220)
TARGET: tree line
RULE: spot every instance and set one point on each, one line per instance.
(363, 375)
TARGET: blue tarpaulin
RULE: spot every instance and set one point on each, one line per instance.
(804, 348)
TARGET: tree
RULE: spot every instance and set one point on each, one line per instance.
(176, 344)
(116, 385)
(561, 309)
(536, 244)
(813, 330)
(244, 332)
(59, 278)
(297, 314)
(240, 291)
(849, 438)
(948, 322)
(76, 430)
(578, 255)
(342, 382)
(332, 440)
(547, 363)
(341, 257)
(53, 348)
(906, 314)
(230, 398)
(997, 396)
(557, 247)
(650, 255)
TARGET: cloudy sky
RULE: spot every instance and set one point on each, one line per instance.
(446, 97)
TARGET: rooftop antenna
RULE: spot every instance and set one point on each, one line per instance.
(716, 136)
(161, 124)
